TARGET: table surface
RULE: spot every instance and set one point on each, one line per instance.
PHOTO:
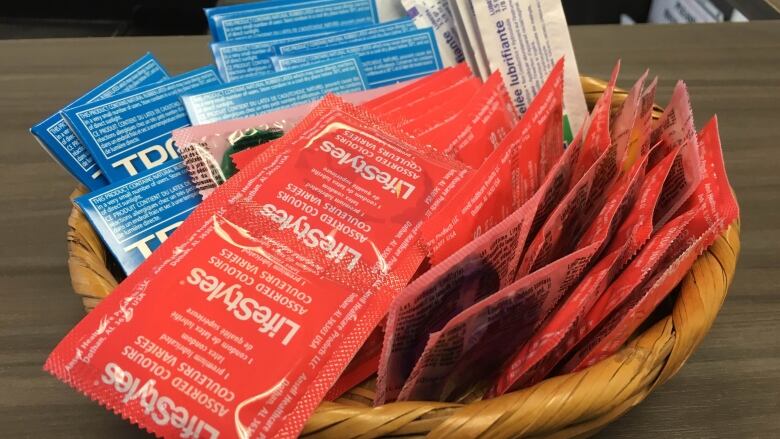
(730, 388)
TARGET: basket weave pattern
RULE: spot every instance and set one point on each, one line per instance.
(569, 406)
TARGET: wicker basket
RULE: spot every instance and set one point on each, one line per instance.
(569, 406)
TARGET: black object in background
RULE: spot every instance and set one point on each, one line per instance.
(604, 11)
(77, 18)
(609, 11)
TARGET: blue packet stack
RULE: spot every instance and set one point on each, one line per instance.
(279, 18)
(63, 145)
(244, 58)
(271, 55)
(136, 215)
(386, 60)
(343, 38)
(253, 96)
(131, 132)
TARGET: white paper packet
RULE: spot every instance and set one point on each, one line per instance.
(389, 10)
(437, 15)
(524, 39)
(470, 35)
(460, 31)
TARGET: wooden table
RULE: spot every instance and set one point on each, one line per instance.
(731, 386)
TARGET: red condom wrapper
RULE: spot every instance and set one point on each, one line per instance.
(366, 361)
(548, 345)
(596, 135)
(444, 94)
(675, 128)
(473, 273)
(562, 229)
(566, 328)
(507, 179)
(712, 208)
(433, 100)
(435, 82)
(441, 102)
(455, 79)
(297, 258)
(479, 128)
(479, 339)
(554, 339)
(639, 139)
(440, 109)
(476, 342)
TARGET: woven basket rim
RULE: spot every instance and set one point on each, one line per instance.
(568, 406)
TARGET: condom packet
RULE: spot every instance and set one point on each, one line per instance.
(441, 113)
(539, 355)
(507, 179)
(431, 95)
(252, 96)
(676, 127)
(204, 148)
(134, 216)
(360, 34)
(528, 365)
(472, 347)
(561, 231)
(375, 100)
(624, 125)
(56, 137)
(131, 132)
(173, 348)
(570, 323)
(386, 60)
(481, 125)
(241, 59)
(633, 296)
(596, 129)
(288, 18)
(481, 268)
(437, 15)
(432, 108)
(643, 129)
(534, 361)
(365, 362)
(663, 246)
(430, 373)
(414, 87)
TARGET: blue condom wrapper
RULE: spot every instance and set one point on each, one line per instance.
(386, 60)
(247, 58)
(134, 216)
(339, 39)
(253, 96)
(131, 132)
(274, 19)
(56, 137)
